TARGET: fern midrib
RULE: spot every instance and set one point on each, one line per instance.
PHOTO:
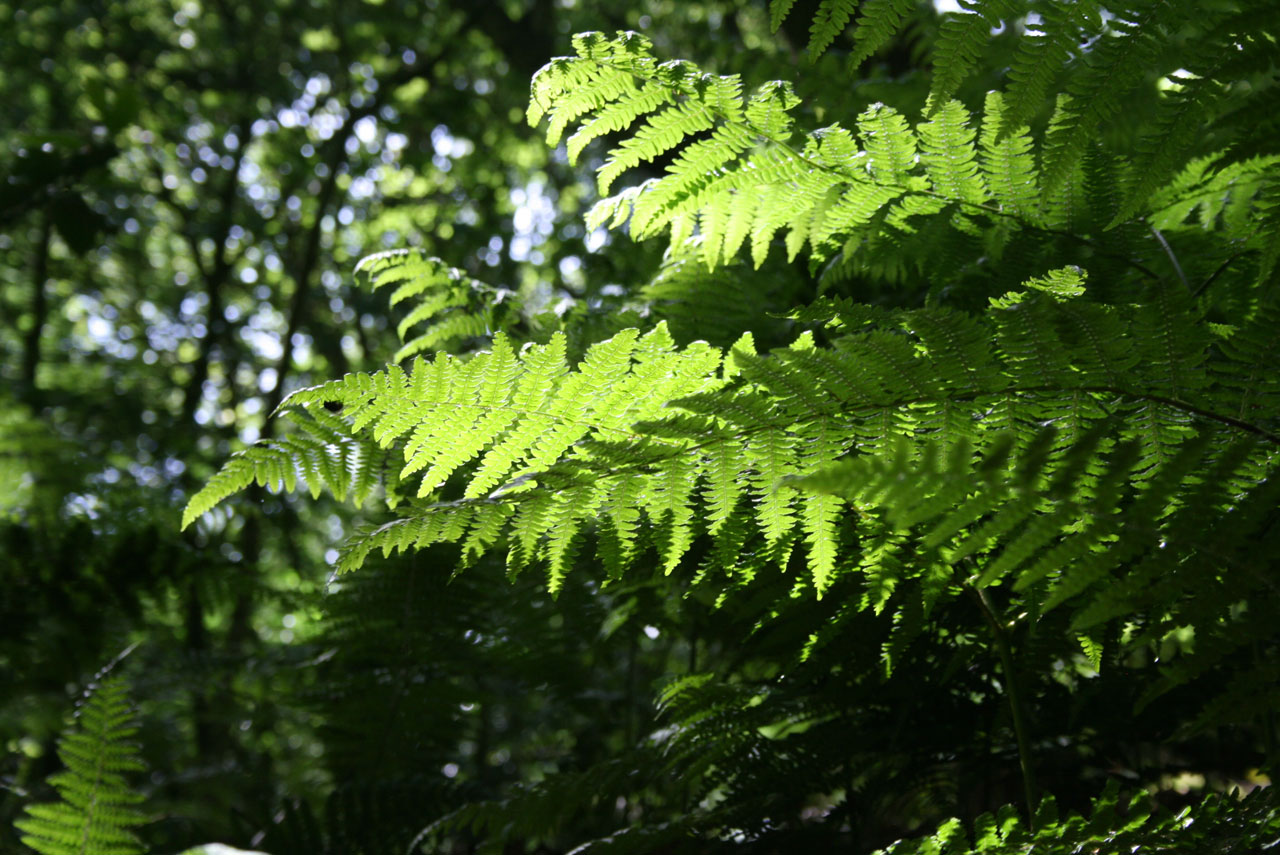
(1150, 397)
(764, 138)
(99, 769)
(649, 464)
(557, 416)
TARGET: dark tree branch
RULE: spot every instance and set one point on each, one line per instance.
(39, 311)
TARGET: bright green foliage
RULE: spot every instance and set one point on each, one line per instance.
(321, 454)
(752, 178)
(514, 415)
(1130, 389)
(98, 808)
(875, 202)
(454, 307)
(1220, 824)
(1106, 52)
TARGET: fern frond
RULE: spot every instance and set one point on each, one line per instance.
(98, 810)
(891, 147)
(778, 11)
(829, 21)
(1219, 823)
(1043, 53)
(1008, 163)
(880, 202)
(1177, 128)
(961, 39)
(453, 306)
(566, 447)
(1093, 94)
(950, 159)
(322, 453)
(540, 811)
(878, 22)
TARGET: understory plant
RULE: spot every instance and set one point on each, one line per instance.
(960, 412)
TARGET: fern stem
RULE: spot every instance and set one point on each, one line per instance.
(902, 403)
(1013, 692)
(1221, 268)
(520, 411)
(1173, 259)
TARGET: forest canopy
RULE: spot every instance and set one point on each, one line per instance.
(646, 427)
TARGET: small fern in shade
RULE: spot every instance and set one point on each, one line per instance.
(97, 811)
(1219, 824)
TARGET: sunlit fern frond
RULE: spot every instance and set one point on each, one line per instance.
(645, 429)
(445, 306)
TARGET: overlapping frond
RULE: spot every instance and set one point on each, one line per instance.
(445, 306)
(739, 174)
(642, 427)
(1215, 194)
(1095, 455)
(538, 812)
(320, 454)
(886, 197)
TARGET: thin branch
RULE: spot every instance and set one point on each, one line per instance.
(1221, 268)
(1013, 692)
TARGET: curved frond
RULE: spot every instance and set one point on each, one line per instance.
(445, 304)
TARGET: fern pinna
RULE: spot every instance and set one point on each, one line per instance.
(98, 808)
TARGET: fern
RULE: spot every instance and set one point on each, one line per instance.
(1043, 53)
(1218, 824)
(961, 41)
(829, 21)
(1017, 429)
(549, 449)
(739, 175)
(453, 306)
(321, 454)
(98, 810)
(878, 22)
(749, 179)
(533, 813)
